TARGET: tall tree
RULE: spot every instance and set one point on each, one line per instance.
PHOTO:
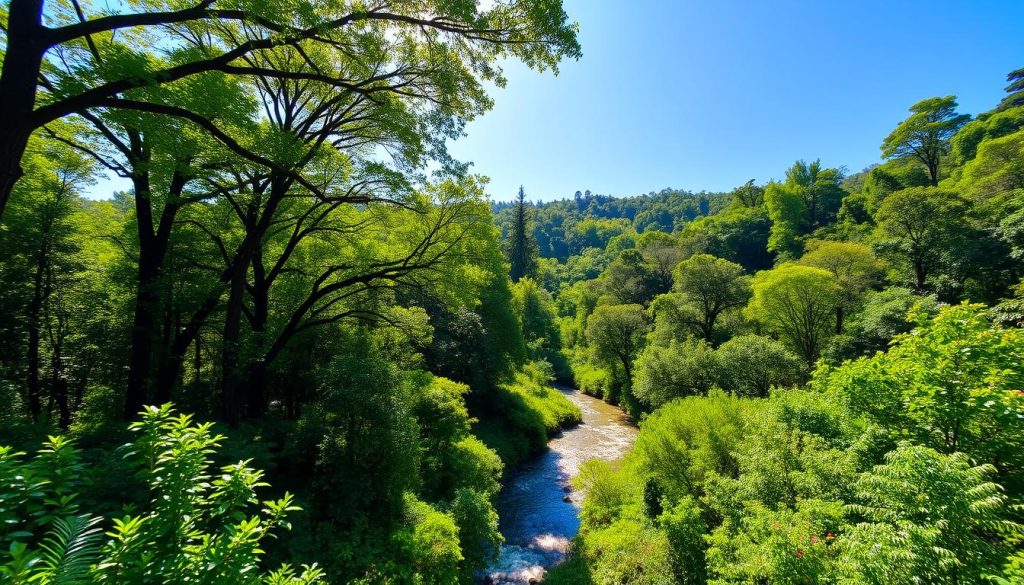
(662, 253)
(1014, 90)
(711, 286)
(616, 335)
(78, 62)
(749, 195)
(925, 135)
(40, 242)
(855, 267)
(920, 228)
(798, 304)
(522, 245)
(809, 199)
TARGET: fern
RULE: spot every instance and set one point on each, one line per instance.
(70, 549)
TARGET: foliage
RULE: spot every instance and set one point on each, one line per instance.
(952, 384)
(523, 414)
(197, 525)
(536, 312)
(797, 303)
(522, 249)
(615, 334)
(753, 364)
(925, 135)
(810, 198)
(813, 486)
(919, 229)
(629, 279)
(855, 267)
(711, 286)
(678, 370)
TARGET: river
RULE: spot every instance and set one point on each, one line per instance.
(539, 510)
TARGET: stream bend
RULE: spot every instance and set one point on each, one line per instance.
(539, 511)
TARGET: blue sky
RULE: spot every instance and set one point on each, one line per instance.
(706, 94)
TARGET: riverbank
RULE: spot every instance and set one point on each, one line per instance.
(539, 511)
(522, 416)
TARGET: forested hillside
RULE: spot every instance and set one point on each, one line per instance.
(827, 369)
(299, 265)
(304, 346)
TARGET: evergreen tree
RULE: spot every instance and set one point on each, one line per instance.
(1015, 90)
(522, 247)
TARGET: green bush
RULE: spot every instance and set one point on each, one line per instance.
(200, 524)
(897, 468)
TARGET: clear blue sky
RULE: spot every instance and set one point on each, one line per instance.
(706, 94)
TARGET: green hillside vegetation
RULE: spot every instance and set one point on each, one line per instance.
(304, 346)
(298, 259)
(828, 381)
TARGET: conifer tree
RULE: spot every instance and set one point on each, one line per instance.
(522, 247)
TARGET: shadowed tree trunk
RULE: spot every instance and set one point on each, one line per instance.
(25, 44)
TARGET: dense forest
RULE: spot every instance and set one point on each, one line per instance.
(305, 347)
(827, 370)
(299, 267)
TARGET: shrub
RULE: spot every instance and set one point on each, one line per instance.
(683, 369)
(197, 526)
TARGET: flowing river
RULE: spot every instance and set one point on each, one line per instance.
(538, 508)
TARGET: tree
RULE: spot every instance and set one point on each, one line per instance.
(615, 334)
(536, 311)
(630, 279)
(711, 286)
(854, 265)
(42, 243)
(82, 63)
(810, 198)
(882, 316)
(786, 212)
(661, 251)
(752, 364)
(689, 368)
(952, 384)
(920, 228)
(749, 195)
(200, 138)
(798, 303)
(1014, 89)
(819, 189)
(522, 245)
(925, 135)
(738, 234)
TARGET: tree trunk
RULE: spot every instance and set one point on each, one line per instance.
(231, 378)
(140, 365)
(197, 360)
(840, 316)
(920, 276)
(35, 309)
(25, 45)
(59, 382)
(170, 369)
(153, 246)
(256, 384)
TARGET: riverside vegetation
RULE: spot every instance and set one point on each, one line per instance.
(827, 370)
